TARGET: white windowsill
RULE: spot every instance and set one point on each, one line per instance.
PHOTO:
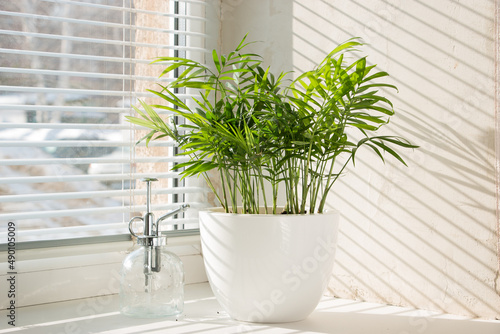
(59, 274)
(202, 314)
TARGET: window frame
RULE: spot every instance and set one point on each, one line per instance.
(120, 237)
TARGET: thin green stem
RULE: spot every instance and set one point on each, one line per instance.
(329, 186)
(215, 192)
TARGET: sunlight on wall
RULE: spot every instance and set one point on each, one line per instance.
(424, 236)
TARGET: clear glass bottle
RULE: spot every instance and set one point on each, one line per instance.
(152, 278)
(153, 294)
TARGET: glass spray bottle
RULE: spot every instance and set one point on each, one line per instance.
(152, 279)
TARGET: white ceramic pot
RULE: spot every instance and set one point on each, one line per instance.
(268, 268)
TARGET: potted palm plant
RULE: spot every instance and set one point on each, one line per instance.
(258, 138)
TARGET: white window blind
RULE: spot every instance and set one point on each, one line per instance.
(69, 73)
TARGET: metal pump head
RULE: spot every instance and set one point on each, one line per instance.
(152, 237)
(148, 236)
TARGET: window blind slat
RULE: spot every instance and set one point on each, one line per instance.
(99, 41)
(50, 90)
(130, 10)
(76, 230)
(98, 23)
(137, 11)
(80, 143)
(77, 178)
(77, 161)
(26, 107)
(63, 125)
(86, 212)
(102, 110)
(75, 56)
(83, 74)
(93, 194)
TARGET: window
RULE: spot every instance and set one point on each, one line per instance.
(69, 73)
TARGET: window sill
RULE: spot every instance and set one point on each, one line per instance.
(58, 274)
(202, 313)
